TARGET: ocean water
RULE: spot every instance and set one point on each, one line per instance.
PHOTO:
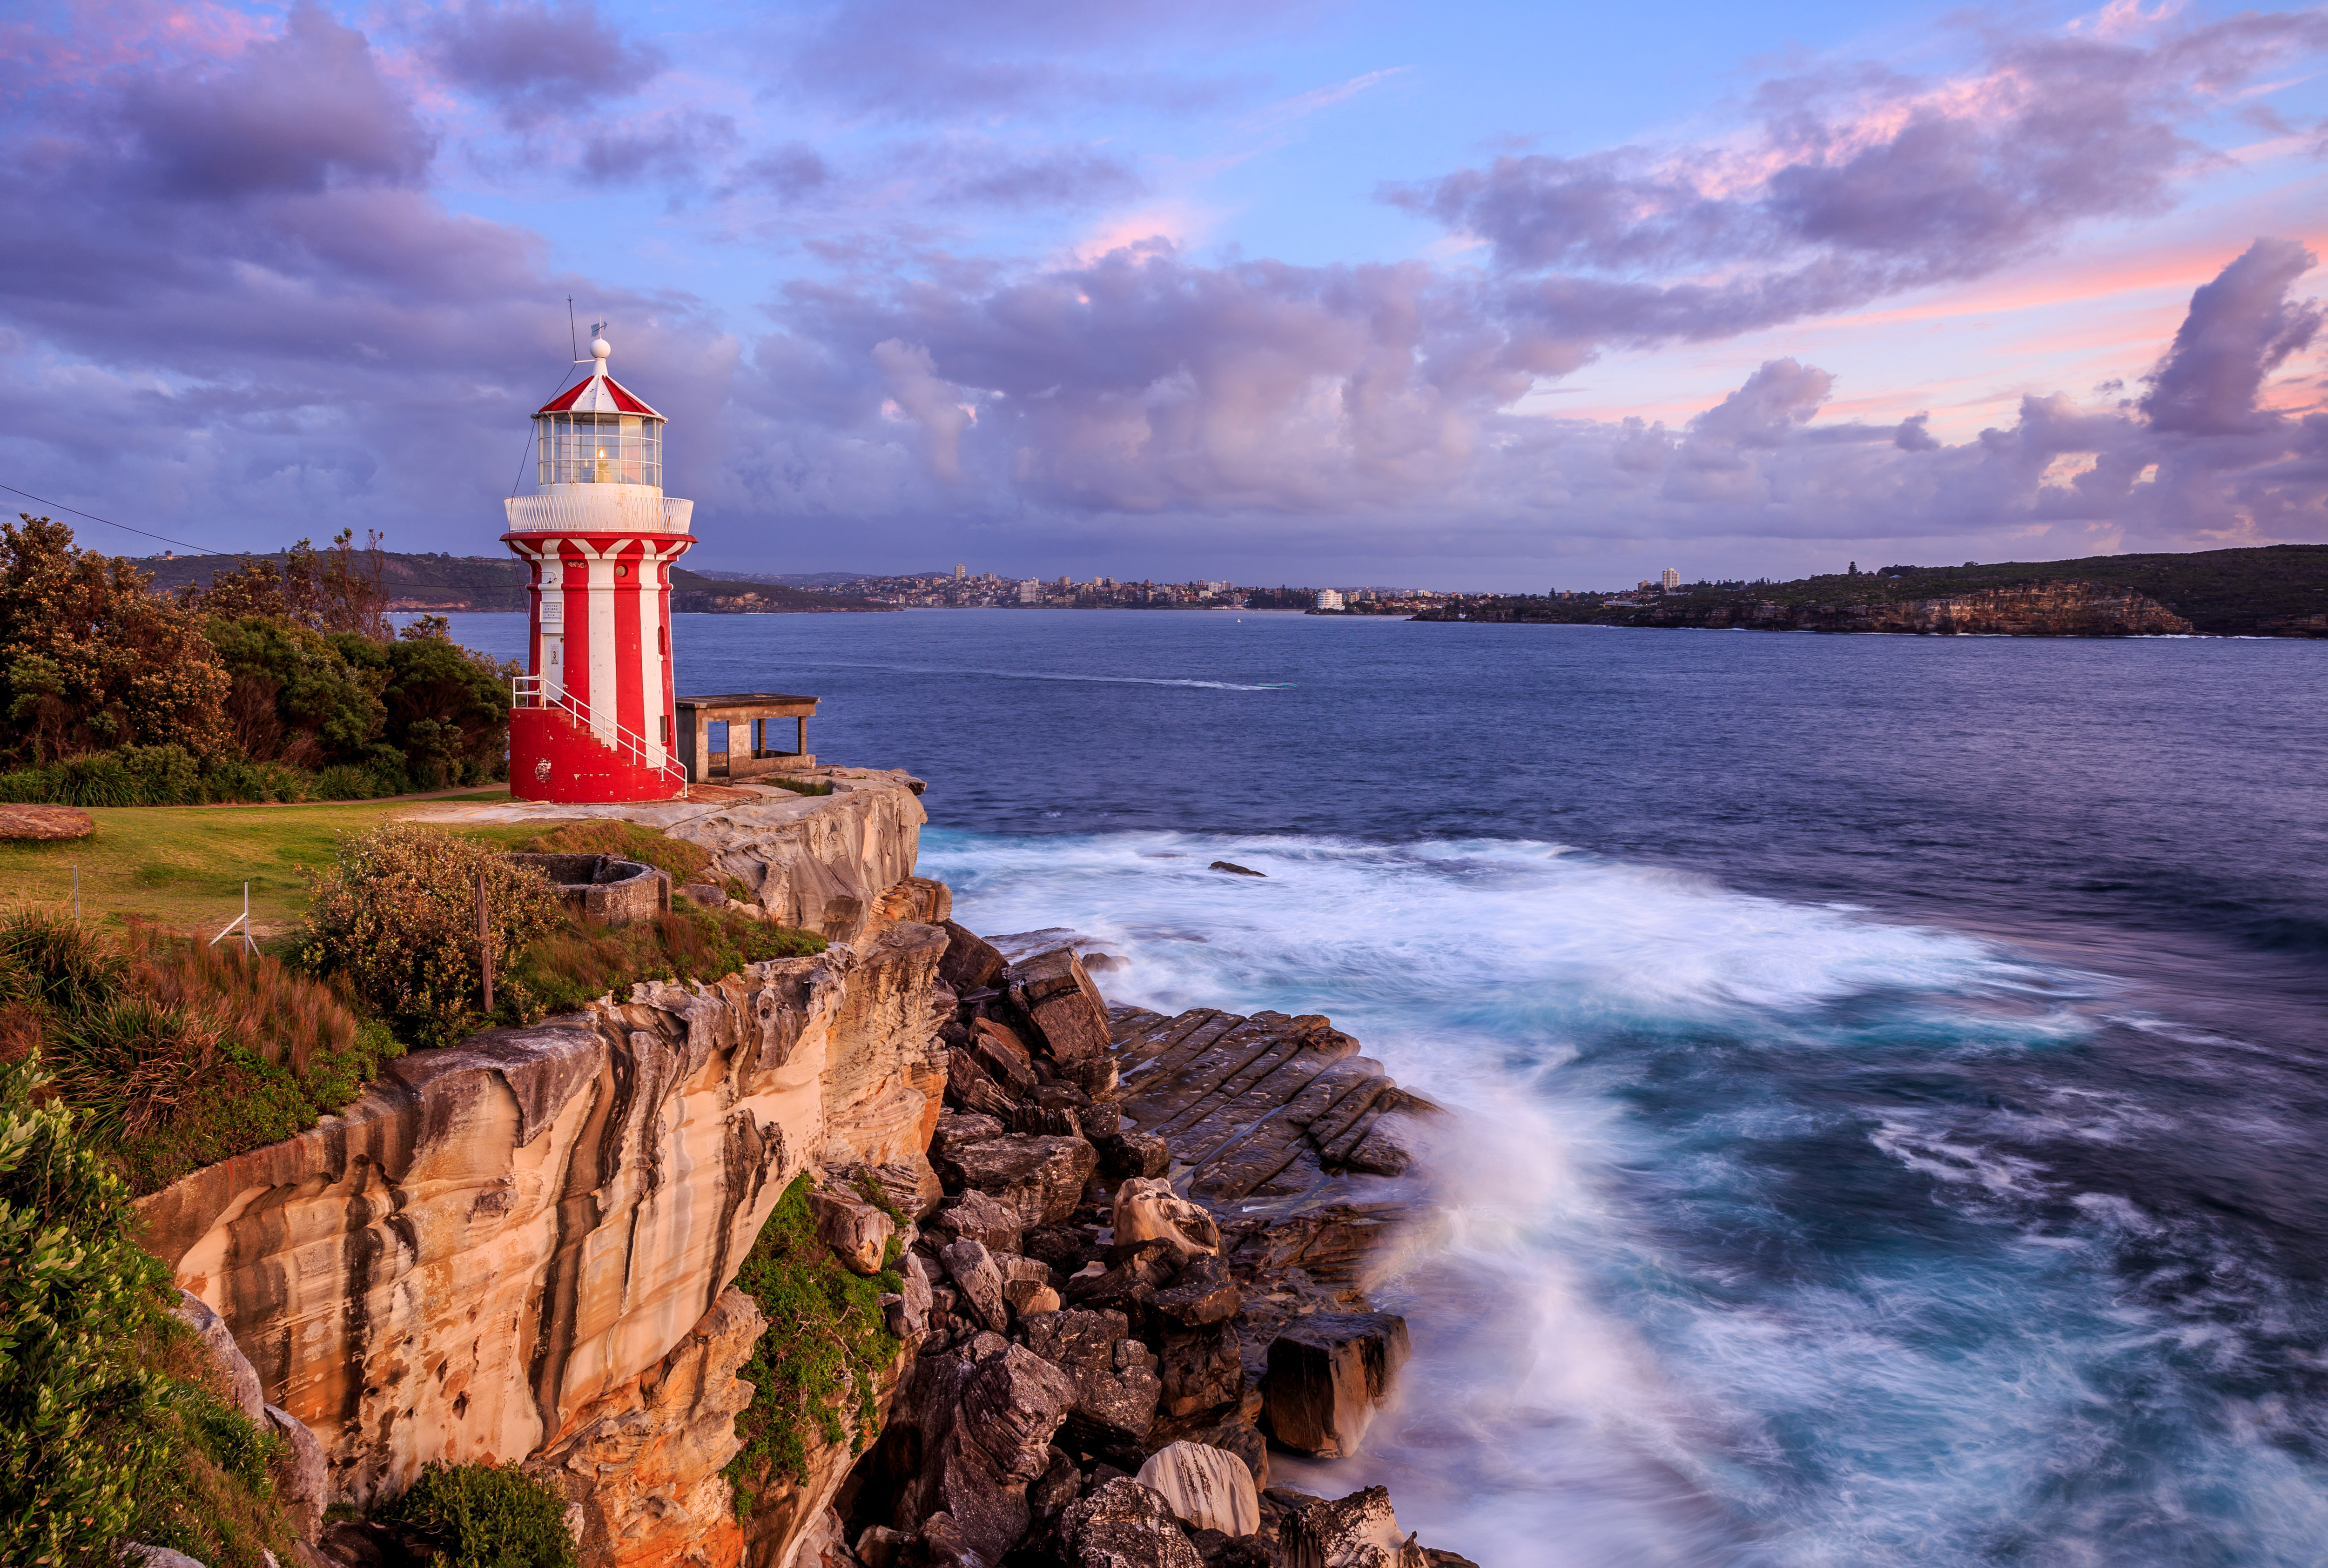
(1893, 1072)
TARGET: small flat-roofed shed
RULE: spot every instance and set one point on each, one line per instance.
(744, 718)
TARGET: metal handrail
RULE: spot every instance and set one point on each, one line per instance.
(533, 686)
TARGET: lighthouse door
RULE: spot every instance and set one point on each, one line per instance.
(553, 664)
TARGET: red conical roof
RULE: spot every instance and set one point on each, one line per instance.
(597, 393)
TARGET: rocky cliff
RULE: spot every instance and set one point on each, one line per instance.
(2023, 610)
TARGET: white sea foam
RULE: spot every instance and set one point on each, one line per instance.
(1636, 1343)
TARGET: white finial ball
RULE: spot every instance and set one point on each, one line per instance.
(600, 348)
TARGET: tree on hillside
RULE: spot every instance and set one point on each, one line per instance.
(90, 658)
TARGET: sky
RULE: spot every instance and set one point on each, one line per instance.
(1474, 296)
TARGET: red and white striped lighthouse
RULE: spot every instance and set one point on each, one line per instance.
(593, 714)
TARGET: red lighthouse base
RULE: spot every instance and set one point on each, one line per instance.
(555, 757)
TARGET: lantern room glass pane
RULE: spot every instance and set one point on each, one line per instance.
(600, 449)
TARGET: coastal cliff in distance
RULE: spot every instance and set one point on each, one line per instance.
(2267, 591)
(2028, 610)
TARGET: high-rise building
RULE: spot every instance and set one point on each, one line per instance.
(1327, 599)
(1065, 580)
(1672, 579)
(960, 571)
(1030, 591)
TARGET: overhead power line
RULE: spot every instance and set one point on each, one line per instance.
(108, 522)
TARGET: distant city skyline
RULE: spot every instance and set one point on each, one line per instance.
(1494, 297)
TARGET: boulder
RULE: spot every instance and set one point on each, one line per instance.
(234, 1368)
(1059, 1486)
(1245, 1442)
(1101, 1118)
(302, 1482)
(998, 1049)
(1206, 1293)
(880, 1546)
(1027, 1285)
(1129, 1154)
(968, 1088)
(909, 1184)
(50, 823)
(1041, 1178)
(1126, 1285)
(971, 962)
(1359, 1531)
(1148, 1209)
(955, 1130)
(1060, 1123)
(1207, 1489)
(1327, 1373)
(978, 1217)
(977, 1283)
(858, 1233)
(986, 1412)
(1065, 1009)
(1200, 1368)
(1234, 869)
(1114, 1376)
(1122, 1523)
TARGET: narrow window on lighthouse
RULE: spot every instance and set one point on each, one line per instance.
(662, 645)
(666, 729)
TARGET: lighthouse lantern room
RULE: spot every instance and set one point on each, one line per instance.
(592, 715)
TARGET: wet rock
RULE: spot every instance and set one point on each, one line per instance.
(977, 1281)
(1124, 1525)
(1041, 1178)
(1130, 1154)
(1200, 1368)
(1234, 869)
(971, 962)
(1148, 1209)
(858, 1233)
(1206, 1488)
(987, 1412)
(978, 1217)
(1205, 1292)
(1327, 1373)
(1359, 1531)
(1114, 1376)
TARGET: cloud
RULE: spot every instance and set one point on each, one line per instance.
(535, 60)
(1855, 184)
(673, 148)
(2241, 328)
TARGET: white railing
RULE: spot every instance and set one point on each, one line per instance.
(599, 509)
(532, 691)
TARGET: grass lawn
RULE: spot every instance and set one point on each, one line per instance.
(184, 866)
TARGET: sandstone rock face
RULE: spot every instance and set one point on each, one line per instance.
(1208, 1489)
(1359, 1531)
(643, 1459)
(1148, 1209)
(503, 1236)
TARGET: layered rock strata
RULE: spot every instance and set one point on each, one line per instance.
(518, 1246)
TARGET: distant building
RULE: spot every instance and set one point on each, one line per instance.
(1030, 591)
(1672, 578)
(1329, 600)
(960, 571)
(1065, 580)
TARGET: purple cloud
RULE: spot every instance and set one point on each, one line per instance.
(536, 60)
(2241, 328)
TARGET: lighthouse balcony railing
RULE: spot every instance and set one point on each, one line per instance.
(599, 509)
(532, 691)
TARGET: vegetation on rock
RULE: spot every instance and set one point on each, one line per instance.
(175, 1054)
(110, 1426)
(482, 1516)
(580, 962)
(816, 1368)
(395, 921)
(272, 683)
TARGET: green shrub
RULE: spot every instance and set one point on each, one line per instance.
(395, 919)
(176, 1054)
(483, 1515)
(628, 840)
(581, 962)
(76, 1411)
(172, 776)
(818, 1363)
